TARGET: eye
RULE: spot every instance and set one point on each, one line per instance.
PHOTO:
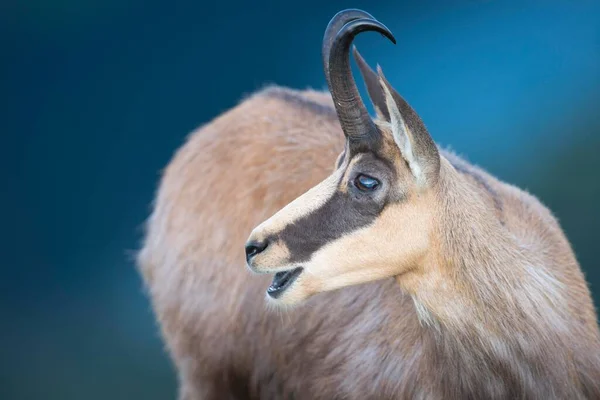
(365, 183)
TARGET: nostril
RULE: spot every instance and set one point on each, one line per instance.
(254, 248)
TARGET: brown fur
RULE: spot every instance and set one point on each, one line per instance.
(505, 311)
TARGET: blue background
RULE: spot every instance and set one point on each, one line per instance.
(97, 95)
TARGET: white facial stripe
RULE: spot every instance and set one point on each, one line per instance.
(307, 203)
(393, 243)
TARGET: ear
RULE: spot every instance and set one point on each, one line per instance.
(412, 138)
(410, 134)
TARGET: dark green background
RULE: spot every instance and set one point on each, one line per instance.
(96, 96)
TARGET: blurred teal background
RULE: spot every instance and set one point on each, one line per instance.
(97, 95)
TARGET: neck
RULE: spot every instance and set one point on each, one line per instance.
(489, 303)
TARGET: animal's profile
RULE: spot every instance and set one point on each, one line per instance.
(414, 274)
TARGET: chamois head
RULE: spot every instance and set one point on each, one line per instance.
(370, 219)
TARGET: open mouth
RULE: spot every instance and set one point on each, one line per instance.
(283, 280)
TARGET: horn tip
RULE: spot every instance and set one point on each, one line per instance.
(390, 36)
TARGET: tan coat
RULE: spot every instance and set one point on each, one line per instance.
(498, 307)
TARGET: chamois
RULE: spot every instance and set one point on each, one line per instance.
(413, 274)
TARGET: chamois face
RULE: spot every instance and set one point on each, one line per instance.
(371, 218)
(368, 220)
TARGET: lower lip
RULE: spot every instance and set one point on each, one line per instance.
(282, 281)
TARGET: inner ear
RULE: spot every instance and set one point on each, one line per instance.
(400, 131)
(340, 159)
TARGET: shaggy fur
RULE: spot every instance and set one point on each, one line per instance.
(505, 312)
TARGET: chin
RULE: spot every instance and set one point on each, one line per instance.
(289, 288)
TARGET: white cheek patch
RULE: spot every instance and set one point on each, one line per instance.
(304, 205)
(390, 246)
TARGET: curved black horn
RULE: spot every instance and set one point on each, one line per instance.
(337, 22)
(352, 113)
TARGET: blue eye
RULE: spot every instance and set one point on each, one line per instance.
(365, 183)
